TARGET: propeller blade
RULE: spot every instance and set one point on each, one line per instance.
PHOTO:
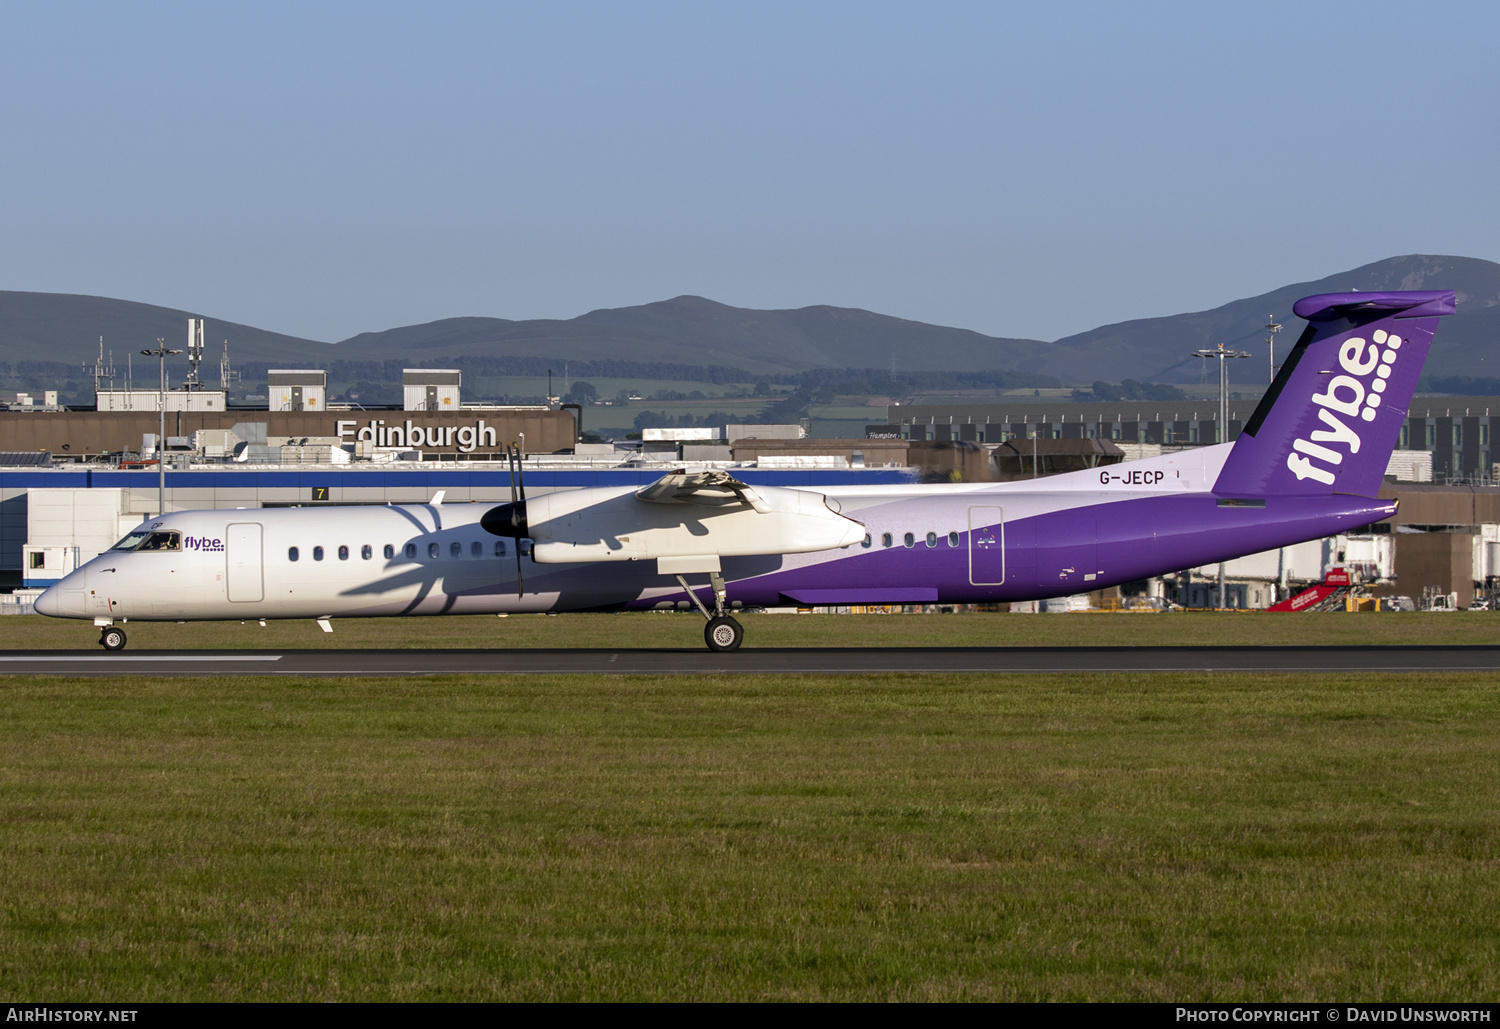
(510, 519)
(511, 451)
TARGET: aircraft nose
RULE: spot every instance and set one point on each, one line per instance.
(63, 599)
(48, 602)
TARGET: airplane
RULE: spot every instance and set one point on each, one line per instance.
(1309, 463)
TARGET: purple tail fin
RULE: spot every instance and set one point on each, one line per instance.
(1329, 422)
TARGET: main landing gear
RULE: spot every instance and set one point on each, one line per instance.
(722, 633)
(112, 638)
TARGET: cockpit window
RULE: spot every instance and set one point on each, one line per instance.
(143, 540)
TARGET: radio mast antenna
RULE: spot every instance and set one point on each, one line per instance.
(226, 374)
(194, 351)
(103, 369)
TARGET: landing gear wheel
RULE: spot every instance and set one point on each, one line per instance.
(112, 639)
(723, 634)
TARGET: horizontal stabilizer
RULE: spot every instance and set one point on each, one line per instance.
(1426, 303)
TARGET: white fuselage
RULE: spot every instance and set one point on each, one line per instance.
(364, 561)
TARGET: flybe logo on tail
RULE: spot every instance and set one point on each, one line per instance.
(1347, 400)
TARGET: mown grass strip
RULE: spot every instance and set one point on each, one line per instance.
(30, 632)
(904, 837)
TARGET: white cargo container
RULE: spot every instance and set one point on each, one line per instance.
(297, 389)
(431, 389)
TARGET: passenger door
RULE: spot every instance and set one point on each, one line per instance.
(244, 579)
(986, 546)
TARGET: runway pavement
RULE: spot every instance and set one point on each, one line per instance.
(1029, 660)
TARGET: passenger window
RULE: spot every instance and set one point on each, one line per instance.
(932, 539)
(343, 553)
(885, 539)
(866, 542)
(909, 540)
(952, 539)
(499, 548)
(390, 551)
(476, 549)
(365, 552)
(455, 549)
(317, 553)
(411, 551)
(291, 554)
(433, 551)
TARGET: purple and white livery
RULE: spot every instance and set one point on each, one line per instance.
(1308, 464)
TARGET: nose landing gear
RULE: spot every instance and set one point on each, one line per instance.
(112, 639)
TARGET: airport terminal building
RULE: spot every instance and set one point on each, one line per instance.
(74, 481)
(1454, 430)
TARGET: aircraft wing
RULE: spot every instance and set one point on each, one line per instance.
(684, 515)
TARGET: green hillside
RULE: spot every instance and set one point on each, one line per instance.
(691, 338)
(694, 331)
(67, 327)
(1158, 349)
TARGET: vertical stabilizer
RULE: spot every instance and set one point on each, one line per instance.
(1329, 422)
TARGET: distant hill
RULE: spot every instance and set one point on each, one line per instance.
(1158, 349)
(67, 327)
(692, 331)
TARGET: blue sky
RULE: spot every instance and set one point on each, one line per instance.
(1024, 169)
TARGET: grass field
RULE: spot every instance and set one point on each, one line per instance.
(28, 632)
(881, 837)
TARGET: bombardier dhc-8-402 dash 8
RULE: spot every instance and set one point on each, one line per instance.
(1308, 464)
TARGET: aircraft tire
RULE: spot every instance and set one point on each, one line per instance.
(723, 634)
(112, 639)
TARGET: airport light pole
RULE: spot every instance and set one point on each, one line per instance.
(1272, 328)
(160, 353)
(1222, 356)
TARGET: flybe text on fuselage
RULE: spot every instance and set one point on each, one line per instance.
(1355, 395)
